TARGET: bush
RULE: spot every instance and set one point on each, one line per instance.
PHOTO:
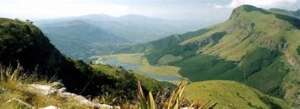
(298, 50)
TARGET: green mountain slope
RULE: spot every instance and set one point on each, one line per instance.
(254, 46)
(23, 44)
(231, 95)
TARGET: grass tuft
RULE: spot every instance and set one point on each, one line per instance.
(174, 101)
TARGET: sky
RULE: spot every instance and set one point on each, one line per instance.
(205, 10)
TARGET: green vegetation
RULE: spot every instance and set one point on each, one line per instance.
(257, 60)
(205, 67)
(253, 68)
(298, 50)
(232, 95)
(252, 45)
(169, 45)
(174, 101)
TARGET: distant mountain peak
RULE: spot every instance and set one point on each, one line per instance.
(139, 17)
(297, 13)
(245, 9)
(132, 15)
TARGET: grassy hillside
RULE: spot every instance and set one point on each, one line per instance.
(231, 95)
(157, 49)
(252, 45)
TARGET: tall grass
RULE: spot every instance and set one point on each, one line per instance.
(10, 81)
(174, 101)
(9, 74)
(16, 94)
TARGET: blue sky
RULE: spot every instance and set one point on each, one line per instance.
(202, 10)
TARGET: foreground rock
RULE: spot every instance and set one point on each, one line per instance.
(50, 107)
(61, 92)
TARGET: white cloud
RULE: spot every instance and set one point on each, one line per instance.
(169, 9)
(262, 3)
(57, 8)
(217, 6)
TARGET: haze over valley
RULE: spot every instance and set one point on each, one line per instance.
(85, 36)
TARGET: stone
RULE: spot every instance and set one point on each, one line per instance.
(50, 107)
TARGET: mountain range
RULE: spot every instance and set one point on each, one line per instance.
(85, 36)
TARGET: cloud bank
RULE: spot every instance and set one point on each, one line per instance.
(196, 10)
(266, 3)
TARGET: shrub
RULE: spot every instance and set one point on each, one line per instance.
(298, 50)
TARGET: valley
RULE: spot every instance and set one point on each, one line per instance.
(140, 65)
